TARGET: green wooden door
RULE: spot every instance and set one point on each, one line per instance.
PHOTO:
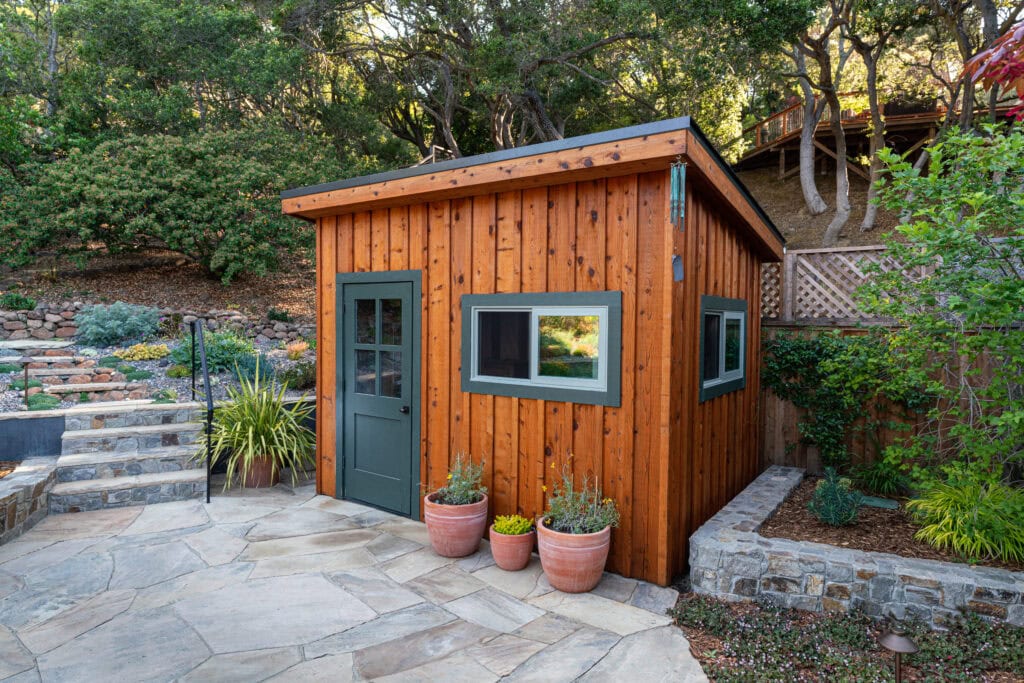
(379, 460)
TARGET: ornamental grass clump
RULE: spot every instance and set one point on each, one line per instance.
(512, 525)
(463, 485)
(835, 502)
(580, 511)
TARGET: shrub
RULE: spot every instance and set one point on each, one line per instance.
(125, 368)
(296, 349)
(277, 316)
(300, 376)
(136, 375)
(881, 477)
(178, 372)
(8, 368)
(583, 511)
(109, 362)
(19, 384)
(101, 325)
(834, 501)
(977, 520)
(223, 350)
(13, 301)
(143, 352)
(513, 525)
(248, 367)
(463, 485)
(42, 402)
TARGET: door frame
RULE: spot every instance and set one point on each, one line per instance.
(415, 278)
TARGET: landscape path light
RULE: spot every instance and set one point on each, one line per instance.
(895, 640)
(25, 360)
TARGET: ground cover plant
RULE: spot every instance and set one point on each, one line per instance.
(763, 642)
(15, 301)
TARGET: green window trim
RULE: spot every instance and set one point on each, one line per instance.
(727, 308)
(607, 305)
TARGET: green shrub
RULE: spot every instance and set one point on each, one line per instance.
(136, 375)
(881, 477)
(125, 368)
(13, 301)
(178, 372)
(42, 402)
(463, 486)
(972, 519)
(223, 350)
(582, 511)
(249, 366)
(277, 316)
(300, 376)
(512, 525)
(834, 501)
(101, 325)
(19, 384)
(109, 362)
(8, 368)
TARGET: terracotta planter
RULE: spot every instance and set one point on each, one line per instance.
(262, 474)
(512, 552)
(573, 562)
(455, 530)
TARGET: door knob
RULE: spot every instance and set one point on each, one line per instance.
(404, 410)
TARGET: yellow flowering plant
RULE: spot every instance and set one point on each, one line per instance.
(463, 483)
(579, 511)
(512, 525)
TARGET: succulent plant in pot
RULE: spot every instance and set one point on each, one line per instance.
(259, 434)
(512, 538)
(456, 514)
(574, 536)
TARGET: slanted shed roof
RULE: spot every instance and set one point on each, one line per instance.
(635, 149)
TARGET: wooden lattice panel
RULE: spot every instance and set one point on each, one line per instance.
(771, 290)
(826, 282)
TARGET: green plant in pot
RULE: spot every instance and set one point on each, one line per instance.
(456, 514)
(574, 536)
(512, 538)
(259, 434)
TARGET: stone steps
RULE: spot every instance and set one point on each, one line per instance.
(91, 387)
(111, 465)
(132, 438)
(129, 414)
(60, 372)
(142, 489)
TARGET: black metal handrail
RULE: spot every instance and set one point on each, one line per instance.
(196, 327)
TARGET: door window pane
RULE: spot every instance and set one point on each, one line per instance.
(391, 374)
(391, 321)
(568, 346)
(712, 337)
(366, 321)
(503, 348)
(366, 372)
(732, 344)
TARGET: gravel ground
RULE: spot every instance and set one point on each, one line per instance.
(14, 400)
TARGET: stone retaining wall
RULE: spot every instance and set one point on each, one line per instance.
(57, 321)
(729, 559)
(23, 496)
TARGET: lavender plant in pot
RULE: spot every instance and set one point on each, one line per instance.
(456, 514)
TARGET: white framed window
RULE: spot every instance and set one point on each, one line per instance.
(558, 346)
(723, 346)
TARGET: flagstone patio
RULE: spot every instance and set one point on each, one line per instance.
(285, 585)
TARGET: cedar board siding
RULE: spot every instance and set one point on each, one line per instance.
(668, 462)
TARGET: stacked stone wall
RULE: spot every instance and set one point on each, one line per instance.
(731, 560)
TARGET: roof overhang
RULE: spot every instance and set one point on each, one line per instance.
(623, 151)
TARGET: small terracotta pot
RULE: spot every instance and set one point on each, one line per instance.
(455, 530)
(573, 562)
(262, 474)
(512, 551)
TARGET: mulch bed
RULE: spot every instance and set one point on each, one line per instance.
(878, 530)
(7, 466)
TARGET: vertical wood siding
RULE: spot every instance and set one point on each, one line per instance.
(666, 460)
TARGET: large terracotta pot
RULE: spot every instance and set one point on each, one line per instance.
(512, 552)
(262, 474)
(455, 530)
(573, 562)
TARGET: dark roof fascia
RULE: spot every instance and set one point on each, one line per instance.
(642, 130)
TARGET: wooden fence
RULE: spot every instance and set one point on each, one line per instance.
(819, 285)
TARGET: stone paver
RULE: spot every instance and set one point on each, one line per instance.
(284, 585)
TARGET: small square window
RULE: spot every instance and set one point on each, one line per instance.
(555, 346)
(723, 337)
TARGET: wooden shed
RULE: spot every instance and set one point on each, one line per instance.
(532, 304)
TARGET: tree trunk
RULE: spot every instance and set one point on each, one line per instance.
(52, 66)
(811, 115)
(877, 141)
(842, 174)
